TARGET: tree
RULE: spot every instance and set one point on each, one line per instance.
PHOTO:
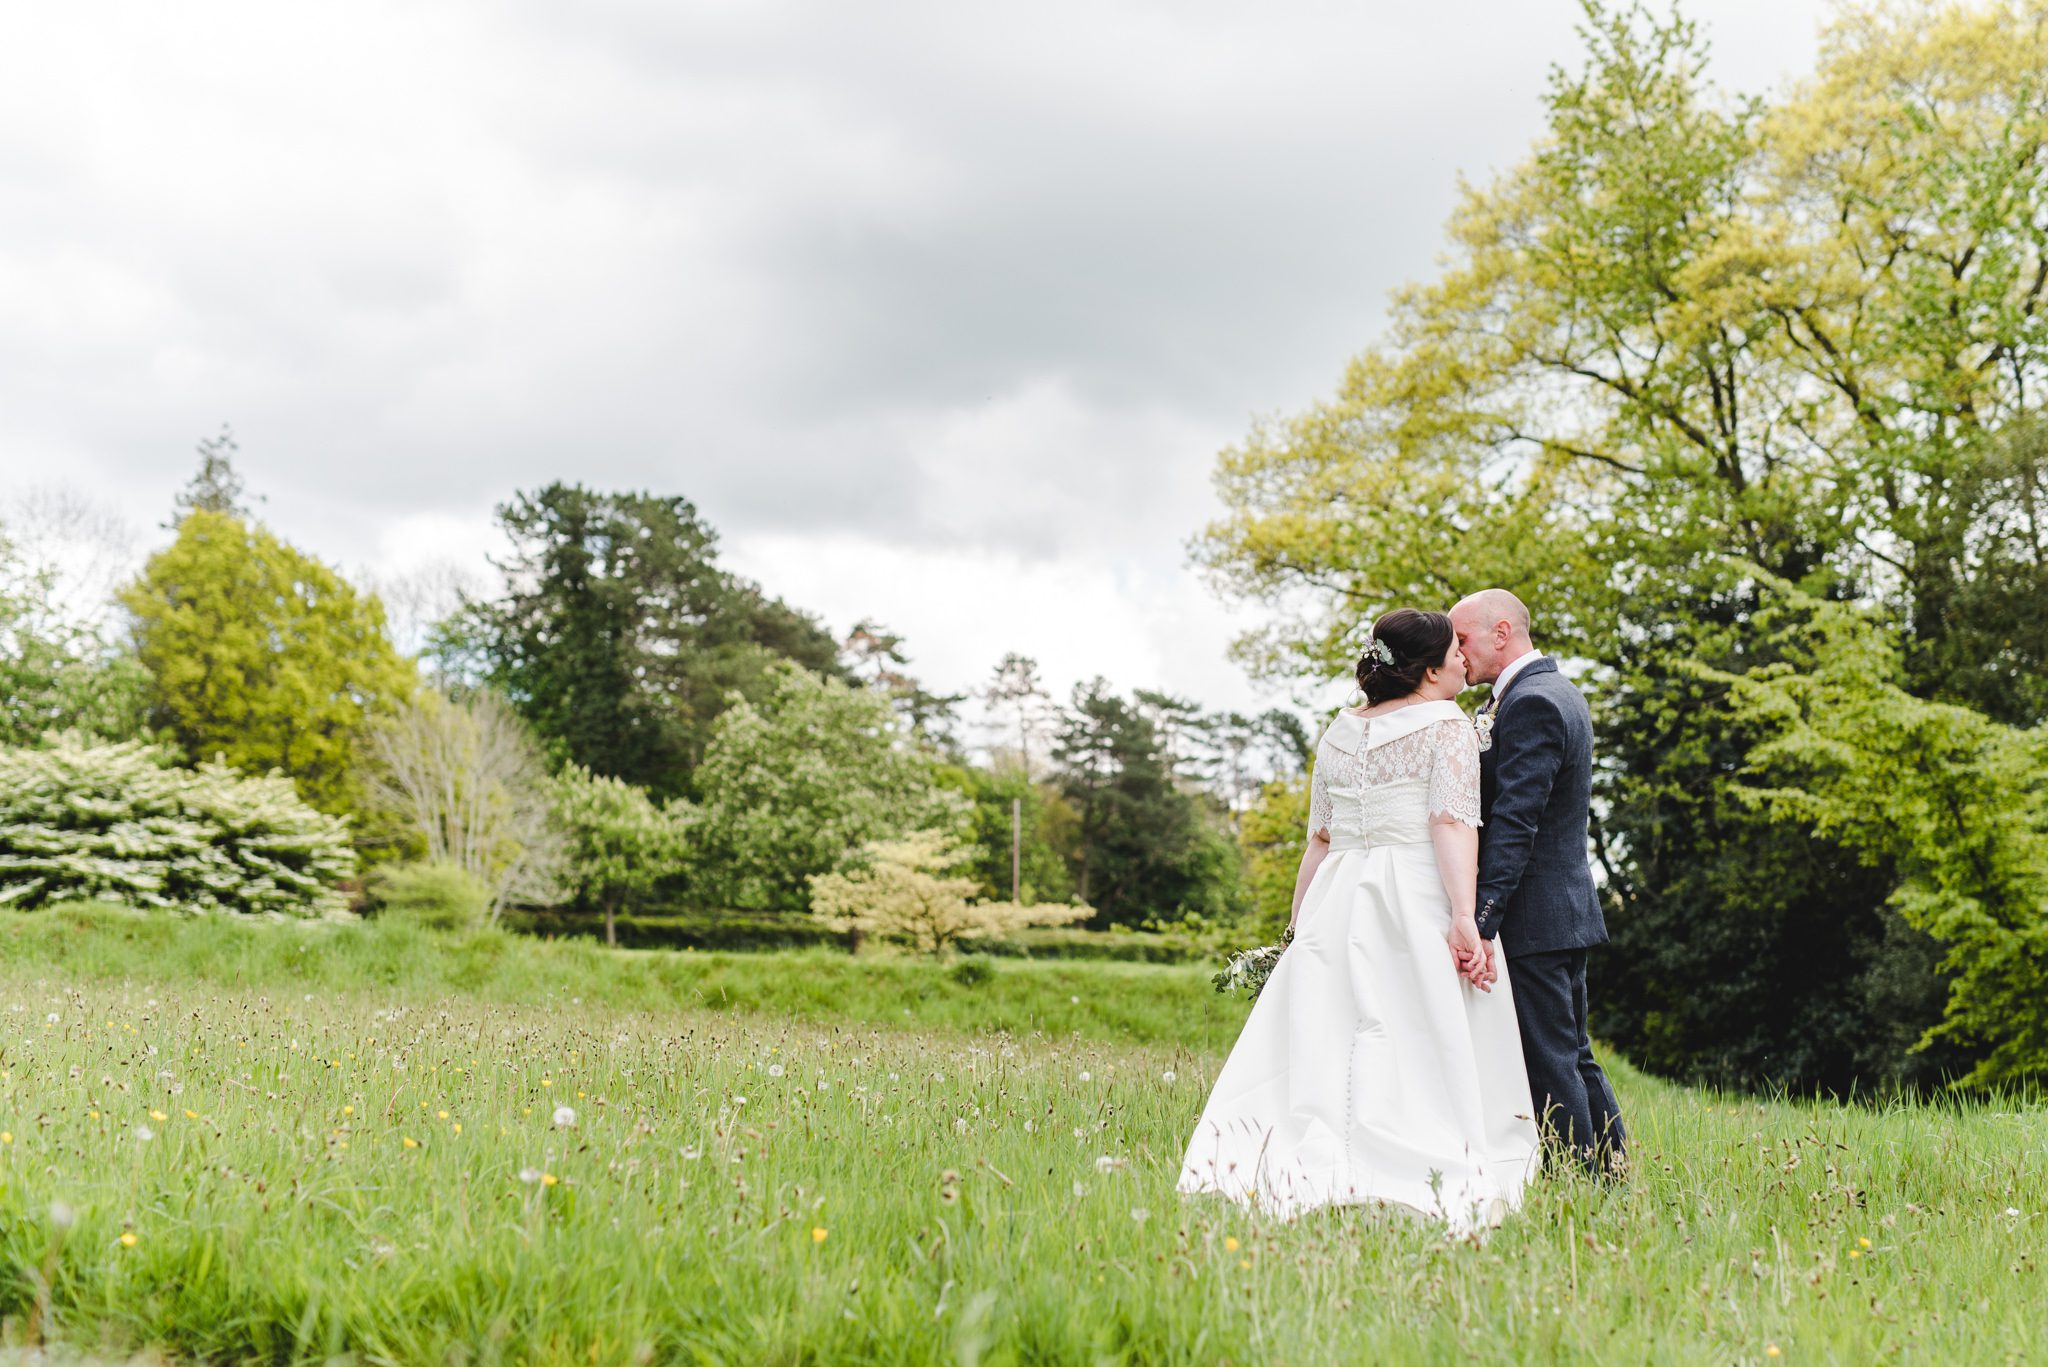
(875, 655)
(1022, 709)
(1048, 821)
(1147, 849)
(215, 487)
(82, 818)
(466, 777)
(816, 769)
(620, 638)
(260, 654)
(58, 672)
(1746, 950)
(1270, 838)
(1964, 816)
(1688, 329)
(620, 843)
(906, 890)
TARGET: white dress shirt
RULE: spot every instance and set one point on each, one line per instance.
(1514, 667)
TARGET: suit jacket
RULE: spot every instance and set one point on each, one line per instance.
(1535, 799)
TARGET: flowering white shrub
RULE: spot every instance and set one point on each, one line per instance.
(87, 819)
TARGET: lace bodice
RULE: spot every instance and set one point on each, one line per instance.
(1385, 778)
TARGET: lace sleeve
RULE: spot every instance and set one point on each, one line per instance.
(1319, 794)
(1454, 773)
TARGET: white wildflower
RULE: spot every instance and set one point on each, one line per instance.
(565, 1116)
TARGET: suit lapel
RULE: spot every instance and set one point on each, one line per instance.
(1542, 665)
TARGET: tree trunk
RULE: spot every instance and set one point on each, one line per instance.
(611, 921)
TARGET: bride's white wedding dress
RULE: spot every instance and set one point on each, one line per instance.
(1369, 1071)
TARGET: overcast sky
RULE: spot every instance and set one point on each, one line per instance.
(938, 312)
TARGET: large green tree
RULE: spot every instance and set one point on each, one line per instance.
(1689, 331)
(1147, 847)
(620, 637)
(796, 784)
(261, 654)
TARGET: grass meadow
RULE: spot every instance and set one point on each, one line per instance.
(268, 1143)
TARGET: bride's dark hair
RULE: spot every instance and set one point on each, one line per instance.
(1418, 642)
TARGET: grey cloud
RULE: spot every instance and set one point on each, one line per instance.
(936, 274)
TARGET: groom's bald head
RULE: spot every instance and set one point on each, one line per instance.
(1493, 629)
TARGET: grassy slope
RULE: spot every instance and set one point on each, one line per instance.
(1135, 1002)
(285, 1218)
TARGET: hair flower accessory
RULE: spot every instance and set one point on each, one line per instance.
(1378, 651)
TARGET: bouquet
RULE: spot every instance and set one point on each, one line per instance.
(1249, 968)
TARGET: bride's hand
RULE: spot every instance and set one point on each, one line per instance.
(1468, 952)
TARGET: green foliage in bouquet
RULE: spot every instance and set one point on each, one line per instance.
(82, 819)
(1248, 969)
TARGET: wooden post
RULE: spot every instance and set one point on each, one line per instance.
(1017, 850)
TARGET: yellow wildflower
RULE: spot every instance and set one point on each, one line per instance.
(411, 1143)
(348, 1110)
(548, 1179)
(128, 1239)
(440, 1115)
(1230, 1243)
(158, 1115)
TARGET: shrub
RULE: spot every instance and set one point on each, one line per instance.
(435, 896)
(908, 892)
(81, 819)
(971, 972)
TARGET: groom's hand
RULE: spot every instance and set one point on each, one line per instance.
(1470, 953)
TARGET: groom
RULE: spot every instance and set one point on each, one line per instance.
(1535, 886)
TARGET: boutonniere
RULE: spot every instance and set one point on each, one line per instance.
(1483, 722)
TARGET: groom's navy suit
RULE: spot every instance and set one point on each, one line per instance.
(1536, 893)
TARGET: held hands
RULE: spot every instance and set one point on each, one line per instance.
(1472, 955)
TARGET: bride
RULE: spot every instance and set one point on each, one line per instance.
(1381, 1064)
